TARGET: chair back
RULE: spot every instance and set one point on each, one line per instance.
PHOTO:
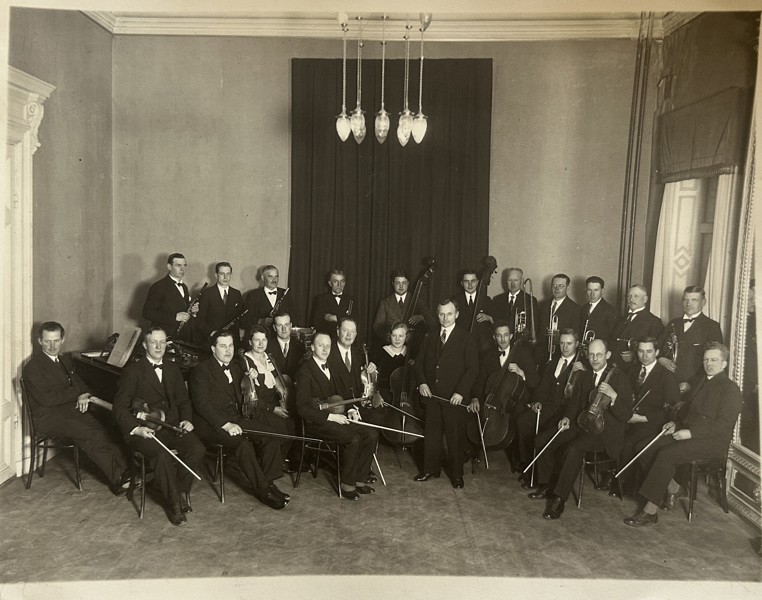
(27, 410)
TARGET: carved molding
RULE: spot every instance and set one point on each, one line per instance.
(744, 458)
(26, 96)
(740, 508)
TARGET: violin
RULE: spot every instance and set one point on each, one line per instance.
(155, 419)
(571, 381)
(370, 383)
(285, 382)
(404, 398)
(250, 402)
(335, 404)
(592, 420)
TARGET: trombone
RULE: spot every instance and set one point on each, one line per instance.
(522, 316)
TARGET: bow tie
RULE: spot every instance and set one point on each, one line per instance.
(158, 366)
(178, 283)
(273, 293)
(503, 353)
(324, 366)
(337, 295)
(689, 320)
(226, 367)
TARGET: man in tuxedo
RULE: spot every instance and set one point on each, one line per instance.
(704, 433)
(619, 410)
(328, 307)
(284, 347)
(58, 400)
(548, 406)
(692, 332)
(315, 384)
(597, 315)
(656, 390)
(261, 302)
(166, 305)
(515, 301)
(216, 394)
(447, 367)
(155, 384)
(220, 304)
(636, 324)
(558, 305)
(392, 308)
(466, 300)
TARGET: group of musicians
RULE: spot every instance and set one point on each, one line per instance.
(563, 380)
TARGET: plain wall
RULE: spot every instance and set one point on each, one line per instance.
(72, 170)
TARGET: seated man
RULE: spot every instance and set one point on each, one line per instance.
(704, 433)
(215, 389)
(155, 384)
(315, 384)
(58, 401)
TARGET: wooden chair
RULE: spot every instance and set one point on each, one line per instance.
(716, 467)
(593, 459)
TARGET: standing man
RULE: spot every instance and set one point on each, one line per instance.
(262, 301)
(515, 301)
(315, 384)
(466, 300)
(285, 348)
(166, 305)
(704, 433)
(328, 307)
(392, 309)
(220, 304)
(216, 394)
(598, 315)
(447, 367)
(58, 400)
(683, 340)
(155, 384)
(636, 324)
(558, 305)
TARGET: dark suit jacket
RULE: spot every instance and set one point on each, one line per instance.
(215, 401)
(643, 324)
(139, 383)
(347, 383)
(550, 392)
(312, 387)
(714, 408)
(500, 309)
(690, 352)
(213, 314)
(326, 304)
(602, 320)
(162, 305)
(287, 365)
(662, 388)
(259, 306)
(615, 416)
(389, 312)
(49, 390)
(489, 362)
(454, 370)
(568, 317)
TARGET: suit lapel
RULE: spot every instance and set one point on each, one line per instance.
(153, 379)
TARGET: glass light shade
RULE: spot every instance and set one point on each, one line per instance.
(343, 128)
(420, 123)
(357, 123)
(405, 127)
(382, 125)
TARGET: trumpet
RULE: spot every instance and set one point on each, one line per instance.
(520, 322)
(588, 335)
(552, 334)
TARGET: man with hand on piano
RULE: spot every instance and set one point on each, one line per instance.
(166, 305)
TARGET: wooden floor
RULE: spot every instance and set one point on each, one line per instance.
(488, 537)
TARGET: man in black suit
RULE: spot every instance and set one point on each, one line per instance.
(704, 433)
(285, 348)
(466, 300)
(328, 307)
(447, 366)
(58, 400)
(549, 403)
(687, 336)
(216, 394)
(559, 306)
(314, 384)
(262, 301)
(219, 305)
(636, 324)
(166, 305)
(656, 390)
(155, 384)
(515, 301)
(392, 309)
(619, 410)
(597, 315)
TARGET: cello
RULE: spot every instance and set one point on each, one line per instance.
(404, 397)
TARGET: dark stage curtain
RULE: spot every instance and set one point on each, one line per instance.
(371, 208)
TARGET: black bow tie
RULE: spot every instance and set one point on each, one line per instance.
(179, 283)
(226, 367)
(503, 353)
(158, 366)
(689, 320)
(337, 295)
(324, 366)
(273, 293)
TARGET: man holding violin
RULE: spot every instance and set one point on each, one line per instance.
(155, 387)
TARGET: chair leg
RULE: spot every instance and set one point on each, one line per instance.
(32, 464)
(378, 468)
(142, 485)
(581, 483)
(77, 473)
(338, 470)
(44, 460)
(723, 490)
(692, 492)
(221, 470)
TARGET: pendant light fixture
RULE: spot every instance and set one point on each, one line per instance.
(342, 121)
(357, 120)
(420, 122)
(405, 126)
(382, 117)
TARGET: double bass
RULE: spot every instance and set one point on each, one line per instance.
(485, 277)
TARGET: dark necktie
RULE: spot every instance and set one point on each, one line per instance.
(553, 308)
(443, 337)
(511, 300)
(347, 361)
(285, 350)
(563, 367)
(401, 303)
(641, 376)
(225, 297)
(470, 300)
(629, 318)
(65, 370)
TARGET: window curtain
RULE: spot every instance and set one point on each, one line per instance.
(371, 208)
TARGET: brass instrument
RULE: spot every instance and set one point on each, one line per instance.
(276, 306)
(670, 344)
(552, 334)
(588, 335)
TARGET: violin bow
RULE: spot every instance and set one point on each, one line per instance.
(173, 455)
(481, 438)
(536, 429)
(544, 448)
(364, 424)
(284, 436)
(637, 456)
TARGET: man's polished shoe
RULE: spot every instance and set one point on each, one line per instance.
(365, 489)
(641, 519)
(671, 500)
(371, 478)
(458, 483)
(176, 516)
(275, 490)
(555, 508)
(120, 487)
(350, 495)
(425, 476)
(541, 493)
(185, 505)
(271, 499)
